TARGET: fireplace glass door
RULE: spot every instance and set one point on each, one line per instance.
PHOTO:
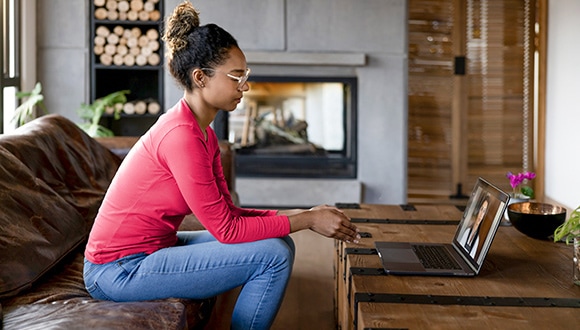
(294, 127)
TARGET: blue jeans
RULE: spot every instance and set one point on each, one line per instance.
(200, 267)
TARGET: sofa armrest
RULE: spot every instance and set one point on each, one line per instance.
(119, 145)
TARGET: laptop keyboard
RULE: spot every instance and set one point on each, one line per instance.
(435, 257)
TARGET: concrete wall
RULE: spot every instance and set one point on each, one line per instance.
(374, 28)
(63, 59)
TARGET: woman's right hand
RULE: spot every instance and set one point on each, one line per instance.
(328, 221)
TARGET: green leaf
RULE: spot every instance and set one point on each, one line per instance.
(527, 191)
(25, 111)
(92, 113)
(570, 228)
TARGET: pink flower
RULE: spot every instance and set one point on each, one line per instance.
(518, 179)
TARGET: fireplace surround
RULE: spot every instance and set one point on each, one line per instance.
(329, 38)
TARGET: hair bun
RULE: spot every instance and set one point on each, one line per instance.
(182, 21)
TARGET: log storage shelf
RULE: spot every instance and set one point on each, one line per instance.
(127, 54)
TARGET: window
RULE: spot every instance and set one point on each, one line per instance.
(10, 59)
(471, 105)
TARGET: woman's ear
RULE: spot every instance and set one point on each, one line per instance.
(198, 78)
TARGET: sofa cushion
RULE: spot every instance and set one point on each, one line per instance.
(37, 226)
(53, 299)
(96, 314)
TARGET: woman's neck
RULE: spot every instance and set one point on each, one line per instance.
(203, 114)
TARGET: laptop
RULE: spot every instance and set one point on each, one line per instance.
(466, 254)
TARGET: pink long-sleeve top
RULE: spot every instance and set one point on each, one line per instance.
(173, 171)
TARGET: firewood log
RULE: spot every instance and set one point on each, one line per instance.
(143, 16)
(134, 51)
(110, 49)
(132, 15)
(136, 32)
(118, 30)
(102, 31)
(123, 6)
(100, 41)
(146, 51)
(132, 42)
(98, 49)
(153, 107)
(106, 59)
(153, 45)
(101, 13)
(117, 107)
(112, 15)
(154, 59)
(111, 5)
(149, 6)
(129, 60)
(122, 50)
(112, 39)
(127, 33)
(140, 60)
(155, 15)
(118, 59)
(143, 41)
(152, 34)
(136, 5)
(129, 108)
(140, 107)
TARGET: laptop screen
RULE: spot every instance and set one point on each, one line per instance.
(483, 214)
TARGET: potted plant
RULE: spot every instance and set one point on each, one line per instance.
(520, 192)
(27, 110)
(92, 113)
(516, 181)
(570, 231)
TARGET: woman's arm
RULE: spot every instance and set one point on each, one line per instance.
(326, 220)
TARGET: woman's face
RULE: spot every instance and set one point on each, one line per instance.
(482, 211)
(224, 89)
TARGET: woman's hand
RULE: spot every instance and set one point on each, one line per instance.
(326, 220)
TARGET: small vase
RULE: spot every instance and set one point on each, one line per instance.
(576, 261)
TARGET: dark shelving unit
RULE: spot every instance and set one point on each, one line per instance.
(144, 80)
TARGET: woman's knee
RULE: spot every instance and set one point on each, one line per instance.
(290, 243)
(280, 249)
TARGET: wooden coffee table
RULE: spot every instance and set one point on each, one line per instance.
(524, 283)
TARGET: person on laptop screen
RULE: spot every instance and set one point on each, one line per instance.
(470, 237)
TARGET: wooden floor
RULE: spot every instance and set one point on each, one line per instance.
(309, 301)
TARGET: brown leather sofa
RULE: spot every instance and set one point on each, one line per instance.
(52, 181)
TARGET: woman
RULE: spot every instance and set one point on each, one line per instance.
(134, 251)
(470, 237)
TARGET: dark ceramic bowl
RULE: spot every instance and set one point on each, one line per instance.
(537, 220)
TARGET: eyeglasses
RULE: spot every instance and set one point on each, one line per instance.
(241, 80)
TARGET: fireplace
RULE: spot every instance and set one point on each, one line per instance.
(301, 127)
